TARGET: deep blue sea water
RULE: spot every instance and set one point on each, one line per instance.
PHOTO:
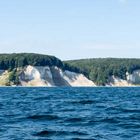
(70, 113)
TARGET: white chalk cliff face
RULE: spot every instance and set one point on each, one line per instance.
(54, 76)
(131, 80)
(116, 81)
(51, 76)
(134, 77)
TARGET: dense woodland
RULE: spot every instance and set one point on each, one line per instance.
(99, 70)
(11, 61)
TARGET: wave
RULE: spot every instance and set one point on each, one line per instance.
(43, 117)
(46, 133)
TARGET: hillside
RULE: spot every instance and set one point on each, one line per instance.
(100, 70)
(29, 69)
(11, 61)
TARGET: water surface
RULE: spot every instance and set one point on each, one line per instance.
(70, 113)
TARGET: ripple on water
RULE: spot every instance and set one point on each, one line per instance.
(74, 120)
(43, 117)
(47, 133)
(83, 102)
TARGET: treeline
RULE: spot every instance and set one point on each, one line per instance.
(11, 61)
(19, 60)
(99, 70)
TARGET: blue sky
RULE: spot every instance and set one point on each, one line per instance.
(71, 29)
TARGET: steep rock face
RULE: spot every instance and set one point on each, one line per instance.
(36, 76)
(4, 76)
(134, 77)
(75, 79)
(131, 80)
(52, 76)
(116, 81)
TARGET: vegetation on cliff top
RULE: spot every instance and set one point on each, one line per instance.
(11, 61)
(15, 60)
(100, 69)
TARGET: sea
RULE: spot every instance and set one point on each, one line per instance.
(68, 113)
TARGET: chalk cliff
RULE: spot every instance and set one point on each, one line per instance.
(46, 76)
(54, 76)
(131, 80)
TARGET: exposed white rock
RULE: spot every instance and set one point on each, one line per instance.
(54, 76)
(134, 77)
(36, 76)
(131, 80)
(1, 72)
(75, 79)
(115, 81)
(4, 77)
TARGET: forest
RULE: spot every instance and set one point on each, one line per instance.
(15, 60)
(100, 69)
(10, 61)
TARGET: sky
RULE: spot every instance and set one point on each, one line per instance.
(71, 29)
